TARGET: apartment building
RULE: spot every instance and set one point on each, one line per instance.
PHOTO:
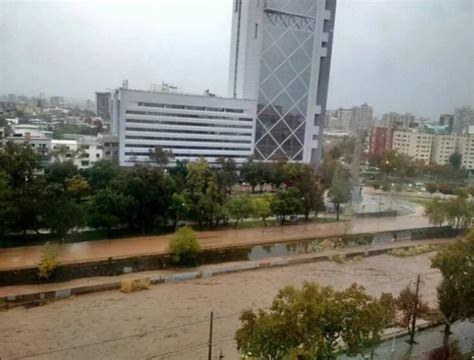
(443, 147)
(465, 147)
(381, 139)
(416, 145)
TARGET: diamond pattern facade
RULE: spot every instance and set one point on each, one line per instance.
(285, 72)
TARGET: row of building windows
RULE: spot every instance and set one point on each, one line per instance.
(130, 137)
(190, 107)
(194, 131)
(189, 116)
(177, 153)
(164, 122)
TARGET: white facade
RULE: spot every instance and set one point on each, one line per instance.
(443, 147)
(83, 151)
(465, 147)
(191, 126)
(416, 145)
(280, 56)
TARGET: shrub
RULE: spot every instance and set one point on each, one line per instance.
(376, 185)
(446, 189)
(340, 259)
(413, 250)
(49, 261)
(184, 246)
(431, 187)
(131, 285)
(358, 258)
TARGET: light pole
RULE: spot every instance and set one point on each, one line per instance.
(177, 217)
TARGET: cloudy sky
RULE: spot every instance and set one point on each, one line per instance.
(406, 55)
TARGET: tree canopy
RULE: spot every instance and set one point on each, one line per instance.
(314, 322)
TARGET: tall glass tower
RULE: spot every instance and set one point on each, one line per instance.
(280, 56)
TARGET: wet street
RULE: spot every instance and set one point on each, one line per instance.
(28, 256)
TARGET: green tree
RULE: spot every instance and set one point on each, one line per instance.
(161, 156)
(240, 207)
(285, 203)
(102, 173)
(108, 209)
(60, 212)
(22, 188)
(19, 162)
(202, 194)
(313, 322)
(5, 198)
(436, 212)
(227, 174)
(311, 193)
(250, 173)
(184, 246)
(340, 190)
(459, 211)
(326, 171)
(456, 292)
(410, 305)
(455, 160)
(179, 173)
(151, 188)
(77, 186)
(261, 207)
(59, 171)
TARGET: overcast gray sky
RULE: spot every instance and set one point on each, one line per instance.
(406, 55)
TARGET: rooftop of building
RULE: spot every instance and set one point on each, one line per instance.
(204, 95)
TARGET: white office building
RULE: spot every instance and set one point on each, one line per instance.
(190, 126)
(280, 56)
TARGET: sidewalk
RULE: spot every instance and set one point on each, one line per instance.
(28, 256)
(28, 293)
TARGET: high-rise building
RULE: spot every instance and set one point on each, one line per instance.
(363, 117)
(102, 101)
(56, 101)
(399, 121)
(280, 56)
(448, 121)
(345, 116)
(463, 117)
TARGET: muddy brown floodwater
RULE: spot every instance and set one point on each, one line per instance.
(170, 321)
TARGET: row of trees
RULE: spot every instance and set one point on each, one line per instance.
(317, 322)
(393, 163)
(147, 197)
(457, 211)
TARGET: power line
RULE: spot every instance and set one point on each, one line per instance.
(187, 349)
(122, 337)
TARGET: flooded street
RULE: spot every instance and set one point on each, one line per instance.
(171, 320)
(29, 256)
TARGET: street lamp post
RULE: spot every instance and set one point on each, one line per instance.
(177, 217)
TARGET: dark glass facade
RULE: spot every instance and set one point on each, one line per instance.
(285, 72)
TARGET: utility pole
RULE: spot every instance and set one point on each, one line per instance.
(415, 310)
(210, 337)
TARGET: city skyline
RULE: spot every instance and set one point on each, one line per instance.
(408, 74)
